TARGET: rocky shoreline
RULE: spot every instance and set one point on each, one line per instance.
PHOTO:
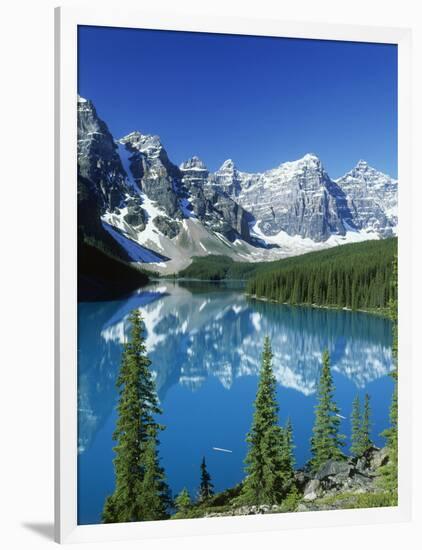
(352, 483)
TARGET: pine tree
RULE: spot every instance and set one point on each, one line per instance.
(109, 514)
(361, 427)
(358, 276)
(389, 472)
(136, 430)
(287, 459)
(154, 497)
(366, 442)
(183, 503)
(206, 488)
(264, 483)
(326, 441)
(356, 448)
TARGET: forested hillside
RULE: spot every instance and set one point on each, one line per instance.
(356, 276)
(217, 268)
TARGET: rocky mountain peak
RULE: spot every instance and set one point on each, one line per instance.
(372, 197)
(227, 166)
(194, 163)
(310, 157)
(362, 165)
(132, 180)
(309, 163)
(364, 172)
(310, 160)
(82, 102)
(99, 165)
(147, 144)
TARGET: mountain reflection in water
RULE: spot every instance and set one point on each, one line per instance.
(205, 342)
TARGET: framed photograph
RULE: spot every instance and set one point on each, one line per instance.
(232, 275)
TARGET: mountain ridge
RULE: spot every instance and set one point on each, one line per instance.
(173, 212)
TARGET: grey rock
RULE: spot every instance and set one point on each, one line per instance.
(334, 468)
(228, 179)
(136, 217)
(167, 227)
(302, 478)
(379, 458)
(211, 204)
(98, 160)
(312, 490)
(298, 198)
(371, 198)
(361, 480)
(153, 172)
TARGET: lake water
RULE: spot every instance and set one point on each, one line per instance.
(205, 342)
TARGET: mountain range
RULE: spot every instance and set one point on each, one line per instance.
(136, 204)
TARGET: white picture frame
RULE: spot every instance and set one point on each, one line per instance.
(67, 21)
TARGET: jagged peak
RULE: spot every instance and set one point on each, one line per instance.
(228, 165)
(364, 172)
(132, 135)
(194, 163)
(148, 144)
(363, 167)
(85, 105)
(310, 157)
(139, 137)
(310, 160)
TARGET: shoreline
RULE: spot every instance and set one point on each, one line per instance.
(378, 313)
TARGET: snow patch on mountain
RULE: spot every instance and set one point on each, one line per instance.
(294, 245)
(136, 252)
(371, 198)
(165, 214)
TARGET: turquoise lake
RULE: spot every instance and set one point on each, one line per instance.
(205, 342)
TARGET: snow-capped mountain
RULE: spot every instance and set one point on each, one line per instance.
(300, 199)
(212, 206)
(371, 199)
(98, 160)
(297, 197)
(162, 214)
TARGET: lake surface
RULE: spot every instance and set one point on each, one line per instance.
(205, 342)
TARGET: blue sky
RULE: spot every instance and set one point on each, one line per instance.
(258, 100)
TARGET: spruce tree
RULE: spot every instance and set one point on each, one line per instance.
(264, 483)
(361, 427)
(358, 278)
(326, 441)
(154, 497)
(366, 441)
(356, 448)
(287, 459)
(183, 503)
(389, 472)
(109, 513)
(206, 488)
(136, 432)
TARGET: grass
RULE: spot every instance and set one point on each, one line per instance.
(359, 500)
